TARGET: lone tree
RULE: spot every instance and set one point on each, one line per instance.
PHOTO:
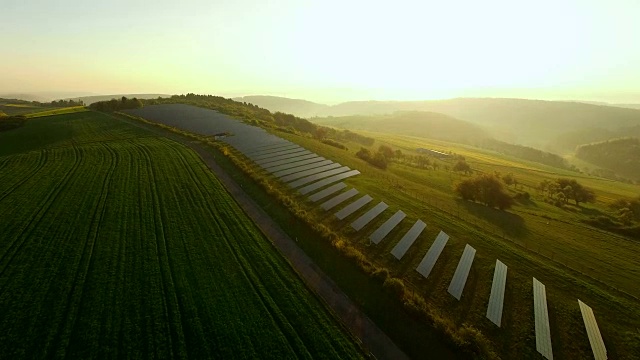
(486, 189)
(573, 190)
(462, 165)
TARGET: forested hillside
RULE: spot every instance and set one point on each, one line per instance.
(620, 155)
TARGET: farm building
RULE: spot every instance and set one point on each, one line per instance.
(434, 153)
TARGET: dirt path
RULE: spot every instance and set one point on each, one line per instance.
(373, 339)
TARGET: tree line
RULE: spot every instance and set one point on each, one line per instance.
(117, 105)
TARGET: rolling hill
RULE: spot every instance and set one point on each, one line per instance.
(533, 123)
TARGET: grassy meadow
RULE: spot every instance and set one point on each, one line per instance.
(119, 243)
(534, 239)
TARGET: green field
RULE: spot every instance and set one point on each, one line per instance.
(119, 243)
(575, 261)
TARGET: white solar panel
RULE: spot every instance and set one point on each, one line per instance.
(430, 258)
(353, 207)
(496, 299)
(317, 185)
(462, 272)
(301, 174)
(593, 332)
(338, 199)
(543, 332)
(386, 228)
(363, 220)
(326, 192)
(408, 239)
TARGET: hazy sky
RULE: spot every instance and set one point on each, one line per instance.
(328, 50)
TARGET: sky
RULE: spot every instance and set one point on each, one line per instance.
(326, 51)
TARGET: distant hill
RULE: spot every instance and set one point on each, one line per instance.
(302, 108)
(534, 123)
(415, 123)
(88, 100)
(619, 155)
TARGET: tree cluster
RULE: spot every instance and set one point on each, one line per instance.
(11, 122)
(380, 158)
(462, 166)
(627, 211)
(486, 189)
(560, 191)
(116, 105)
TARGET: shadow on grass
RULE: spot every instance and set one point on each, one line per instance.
(511, 224)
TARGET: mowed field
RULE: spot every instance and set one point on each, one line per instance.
(118, 243)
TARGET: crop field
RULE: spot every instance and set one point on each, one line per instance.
(119, 243)
(573, 260)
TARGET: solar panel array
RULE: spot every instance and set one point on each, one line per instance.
(593, 332)
(287, 155)
(338, 199)
(353, 207)
(462, 272)
(363, 220)
(496, 299)
(543, 333)
(326, 192)
(430, 258)
(408, 239)
(386, 228)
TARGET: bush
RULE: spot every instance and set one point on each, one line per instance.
(334, 144)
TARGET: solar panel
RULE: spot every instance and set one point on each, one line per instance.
(275, 164)
(290, 168)
(273, 152)
(408, 239)
(297, 153)
(543, 333)
(317, 185)
(326, 192)
(315, 177)
(338, 199)
(363, 220)
(593, 332)
(309, 172)
(353, 207)
(430, 258)
(462, 272)
(496, 299)
(386, 228)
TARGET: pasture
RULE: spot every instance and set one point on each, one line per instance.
(119, 243)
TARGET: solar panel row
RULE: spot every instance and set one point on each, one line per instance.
(496, 299)
(462, 272)
(386, 228)
(293, 160)
(308, 172)
(593, 332)
(543, 333)
(294, 167)
(338, 199)
(315, 177)
(368, 216)
(353, 207)
(430, 258)
(408, 239)
(326, 192)
(317, 185)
